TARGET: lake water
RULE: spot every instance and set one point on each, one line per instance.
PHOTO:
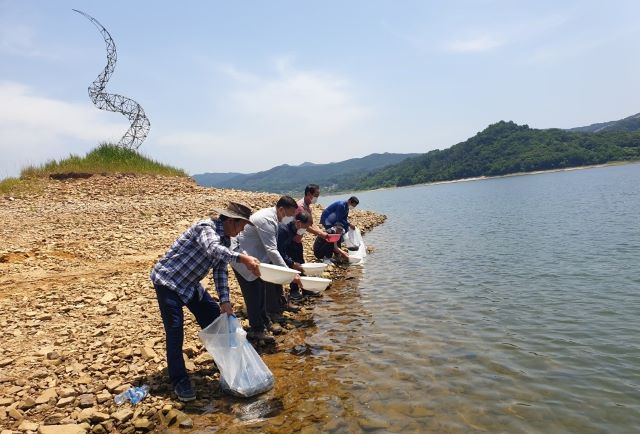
(502, 305)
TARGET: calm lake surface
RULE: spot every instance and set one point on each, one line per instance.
(501, 305)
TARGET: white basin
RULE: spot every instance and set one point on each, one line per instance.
(317, 284)
(313, 268)
(277, 274)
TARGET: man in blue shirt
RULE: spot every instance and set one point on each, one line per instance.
(338, 212)
(176, 278)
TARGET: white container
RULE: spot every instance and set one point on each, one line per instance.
(317, 284)
(313, 268)
(277, 274)
(354, 258)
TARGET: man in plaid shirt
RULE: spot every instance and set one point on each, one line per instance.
(176, 278)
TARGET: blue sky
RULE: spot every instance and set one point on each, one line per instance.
(245, 86)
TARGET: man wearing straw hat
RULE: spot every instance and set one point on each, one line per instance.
(176, 278)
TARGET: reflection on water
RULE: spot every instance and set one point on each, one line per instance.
(508, 305)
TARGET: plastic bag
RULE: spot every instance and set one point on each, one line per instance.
(352, 239)
(242, 371)
(356, 254)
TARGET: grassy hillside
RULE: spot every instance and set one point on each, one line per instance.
(505, 148)
(106, 158)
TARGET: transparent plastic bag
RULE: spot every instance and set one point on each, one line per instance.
(352, 239)
(356, 246)
(242, 371)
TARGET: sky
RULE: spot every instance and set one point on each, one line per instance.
(245, 86)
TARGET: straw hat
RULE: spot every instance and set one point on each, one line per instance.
(235, 210)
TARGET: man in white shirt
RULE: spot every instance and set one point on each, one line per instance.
(261, 241)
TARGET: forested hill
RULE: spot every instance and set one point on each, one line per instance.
(505, 148)
(293, 179)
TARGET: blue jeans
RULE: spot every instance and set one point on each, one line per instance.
(205, 312)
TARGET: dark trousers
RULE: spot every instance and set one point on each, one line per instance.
(205, 312)
(297, 254)
(274, 298)
(254, 298)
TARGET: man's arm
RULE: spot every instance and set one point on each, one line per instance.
(317, 231)
(221, 281)
(345, 217)
(340, 252)
(210, 243)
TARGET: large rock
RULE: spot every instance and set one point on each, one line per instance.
(27, 404)
(15, 414)
(148, 353)
(87, 400)
(65, 401)
(49, 394)
(143, 424)
(68, 391)
(122, 415)
(113, 384)
(26, 425)
(62, 429)
(108, 297)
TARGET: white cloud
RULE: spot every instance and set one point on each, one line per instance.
(34, 128)
(292, 116)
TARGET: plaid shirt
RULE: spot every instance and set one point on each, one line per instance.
(202, 247)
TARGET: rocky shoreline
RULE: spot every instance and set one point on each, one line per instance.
(81, 321)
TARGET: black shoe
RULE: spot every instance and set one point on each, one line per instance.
(295, 295)
(184, 390)
(291, 308)
(308, 293)
(263, 335)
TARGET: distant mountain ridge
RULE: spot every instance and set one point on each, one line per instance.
(290, 179)
(629, 124)
(211, 179)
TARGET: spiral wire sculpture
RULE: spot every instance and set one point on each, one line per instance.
(140, 125)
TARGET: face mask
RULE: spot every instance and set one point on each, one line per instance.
(315, 199)
(301, 231)
(287, 219)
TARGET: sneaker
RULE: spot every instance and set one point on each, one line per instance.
(184, 390)
(262, 335)
(308, 293)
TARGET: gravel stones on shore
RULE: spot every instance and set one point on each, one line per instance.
(80, 317)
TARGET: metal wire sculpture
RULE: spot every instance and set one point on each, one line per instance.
(140, 125)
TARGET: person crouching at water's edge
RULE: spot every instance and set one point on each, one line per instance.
(338, 212)
(176, 278)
